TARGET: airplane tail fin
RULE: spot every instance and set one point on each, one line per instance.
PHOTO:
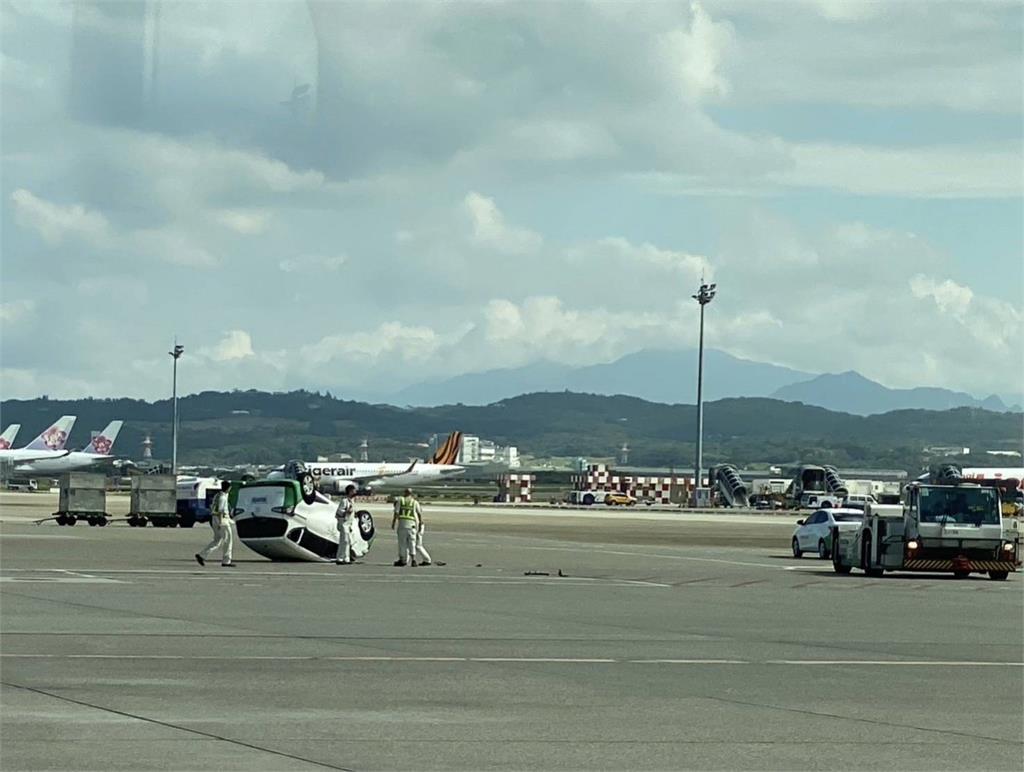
(55, 437)
(449, 451)
(103, 442)
(7, 438)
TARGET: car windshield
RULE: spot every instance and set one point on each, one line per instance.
(966, 506)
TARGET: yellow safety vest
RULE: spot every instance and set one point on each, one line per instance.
(407, 508)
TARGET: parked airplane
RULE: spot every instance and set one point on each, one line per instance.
(334, 477)
(49, 444)
(96, 452)
(7, 438)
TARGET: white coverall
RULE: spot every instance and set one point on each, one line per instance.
(344, 517)
(223, 533)
(421, 552)
(407, 512)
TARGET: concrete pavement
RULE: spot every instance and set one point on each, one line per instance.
(119, 652)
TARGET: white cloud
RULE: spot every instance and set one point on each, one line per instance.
(16, 310)
(313, 263)
(55, 222)
(404, 343)
(490, 229)
(236, 344)
(950, 297)
(573, 129)
(169, 244)
(693, 57)
(932, 172)
(246, 223)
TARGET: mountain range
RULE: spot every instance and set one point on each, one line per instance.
(669, 376)
(259, 427)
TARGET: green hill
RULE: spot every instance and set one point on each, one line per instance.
(253, 426)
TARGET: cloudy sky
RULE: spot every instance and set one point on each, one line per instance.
(357, 197)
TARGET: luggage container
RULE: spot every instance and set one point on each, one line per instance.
(83, 496)
(154, 499)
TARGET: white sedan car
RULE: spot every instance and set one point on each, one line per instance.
(815, 533)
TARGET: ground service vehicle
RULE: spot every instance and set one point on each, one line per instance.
(940, 528)
(617, 499)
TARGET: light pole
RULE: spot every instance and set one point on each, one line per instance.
(176, 354)
(703, 297)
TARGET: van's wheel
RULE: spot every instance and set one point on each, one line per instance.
(588, 499)
(822, 550)
(797, 552)
(999, 576)
(365, 522)
(308, 487)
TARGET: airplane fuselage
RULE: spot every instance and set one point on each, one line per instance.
(383, 475)
(70, 462)
(24, 455)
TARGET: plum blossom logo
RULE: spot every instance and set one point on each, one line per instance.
(54, 438)
(4, 444)
(102, 445)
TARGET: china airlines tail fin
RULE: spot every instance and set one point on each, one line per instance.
(103, 442)
(7, 438)
(449, 452)
(55, 437)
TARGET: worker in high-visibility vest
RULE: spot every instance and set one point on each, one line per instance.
(407, 521)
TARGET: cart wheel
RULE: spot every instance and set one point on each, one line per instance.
(71, 520)
(91, 521)
(101, 522)
(61, 520)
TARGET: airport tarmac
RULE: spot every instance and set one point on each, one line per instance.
(548, 641)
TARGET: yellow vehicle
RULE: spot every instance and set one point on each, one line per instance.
(616, 499)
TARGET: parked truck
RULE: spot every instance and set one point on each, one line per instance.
(953, 528)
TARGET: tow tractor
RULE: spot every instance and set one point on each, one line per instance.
(950, 527)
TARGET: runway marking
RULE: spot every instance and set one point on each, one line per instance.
(690, 662)
(396, 578)
(61, 580)
(666, 557)
(903, 662)
(525, 660)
